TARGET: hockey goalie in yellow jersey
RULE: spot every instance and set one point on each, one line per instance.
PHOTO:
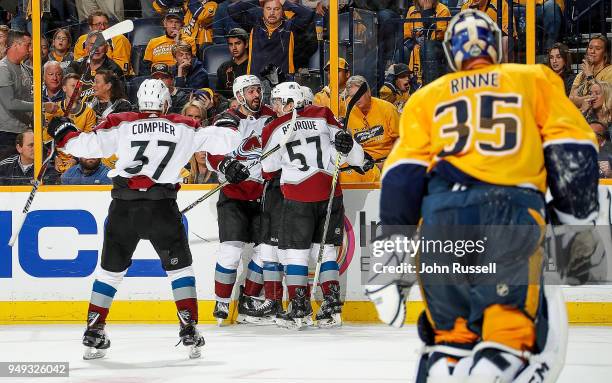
(479, 148)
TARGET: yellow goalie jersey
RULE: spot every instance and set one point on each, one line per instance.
(491, 123)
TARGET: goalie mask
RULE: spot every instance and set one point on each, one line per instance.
(472, 34)
(153, 95)
(239, 87)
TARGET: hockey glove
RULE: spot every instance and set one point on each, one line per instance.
(368, 162)
(387, 291)
(233, 170)
(343, 141)
(59, 127)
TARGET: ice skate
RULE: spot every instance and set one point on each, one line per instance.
(221, 312)
(246, 306)
(96, 342)
(264, 313)
(297, 315)
(190, 336)
(330, 310)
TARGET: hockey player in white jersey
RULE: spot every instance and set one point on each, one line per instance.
(306, 160)
(152, 148)
(239, 205)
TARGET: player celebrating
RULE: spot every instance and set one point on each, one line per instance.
(306, 160)
(152, 148)
(489, 139)
(239, 206)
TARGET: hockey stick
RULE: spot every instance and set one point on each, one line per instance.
(117, 29)
(267, 154)
(356, 97)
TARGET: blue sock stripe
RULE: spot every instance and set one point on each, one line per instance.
(329, 265)
(183, 282)
(223, 270)
(104, 289)
(272, 266)
(297, 270)
(255, 267)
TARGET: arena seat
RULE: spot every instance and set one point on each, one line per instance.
(215, 55)
(145, 30)
(136, 60)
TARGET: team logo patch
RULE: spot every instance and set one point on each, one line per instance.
(368, 134)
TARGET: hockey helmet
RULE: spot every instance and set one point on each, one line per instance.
(153, 95)
(286, 92)
(240, 84)
(469, 35)
(308, 95)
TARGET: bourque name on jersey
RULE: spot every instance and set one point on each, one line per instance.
(153, 127)
(303, 125)
(472, 81)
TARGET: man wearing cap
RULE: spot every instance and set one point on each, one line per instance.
(178, 96)
(238, 44)
(396, 89)
(188, 71)
(198, 19)
(159, 49)
(323, 97)
(119, 47)
(272, 35)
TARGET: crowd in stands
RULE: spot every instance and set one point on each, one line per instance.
(199, 47)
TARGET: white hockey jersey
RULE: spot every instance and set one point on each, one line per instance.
(156, 147)
(248, 152)
(308, 156)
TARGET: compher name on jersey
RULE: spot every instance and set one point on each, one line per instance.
(152, 127)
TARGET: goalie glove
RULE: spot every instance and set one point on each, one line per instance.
(59, 127)
(389, 291)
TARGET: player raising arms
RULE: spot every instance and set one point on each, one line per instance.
(479, 148)
(152, 148)
(306, 160)
(239, 205)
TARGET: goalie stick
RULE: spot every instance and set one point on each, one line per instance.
(356, 97)
(267, 154)
(117, 29)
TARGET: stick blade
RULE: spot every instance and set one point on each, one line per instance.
(121, 28)
(360, 92)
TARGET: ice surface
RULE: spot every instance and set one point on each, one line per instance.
(239, 353)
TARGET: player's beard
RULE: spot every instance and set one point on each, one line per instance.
(255, 104)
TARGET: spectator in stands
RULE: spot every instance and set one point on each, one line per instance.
(16, 92)
(119, 48)
(272, 35)
(374, 124)
(89, 171)
(159, 49)
(81, 115)
(18, 169)
(595, 66)
(323, 97)
(196, 110)
(549, 15)
(560, 60)
(99, 61)
(396, 89)
(44, 49)
(420, 34)
(598, 106)
(188, 71)
(223, 23)
(4, 31)
(238, 44)
(109, 96)
(198, 172)
(179, 96)
(114, 8)
(490, 8)
(60, 48)
(213, 103)
(198, 18)
(52, 78)
(233, 104)
(605, 147)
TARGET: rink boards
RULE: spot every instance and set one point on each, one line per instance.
(47, 275)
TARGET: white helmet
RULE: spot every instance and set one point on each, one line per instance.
(288, 91)
(242, 82)
(308, 95)
(153, 95)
